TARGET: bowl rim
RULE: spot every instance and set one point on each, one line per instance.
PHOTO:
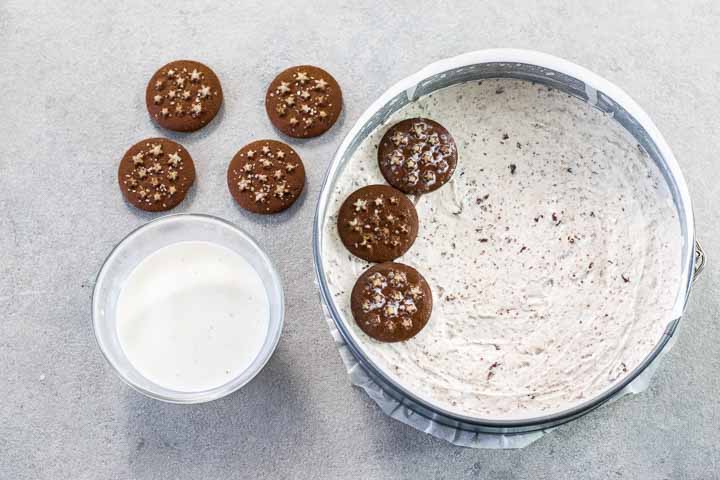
(228, 387)
(593, 84)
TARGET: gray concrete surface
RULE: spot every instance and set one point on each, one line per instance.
(72, 81)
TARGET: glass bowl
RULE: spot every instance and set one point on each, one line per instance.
(149, 238)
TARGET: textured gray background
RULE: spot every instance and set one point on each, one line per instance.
(72, 82)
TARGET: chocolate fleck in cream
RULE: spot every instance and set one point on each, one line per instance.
(183, 95)
(303, 101)
(391, 302)
(521, 326)
(417, 155)
(377, 223)
(156, 174)
(266, 176)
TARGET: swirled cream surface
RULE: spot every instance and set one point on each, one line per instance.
(553, 254)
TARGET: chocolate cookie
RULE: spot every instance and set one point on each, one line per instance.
(377, 223)
(303, 101)
(266, 176)
(183, 96)
(417, 155)
(391, 302)
(155, 174)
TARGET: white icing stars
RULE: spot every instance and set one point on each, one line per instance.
(379, 201)
(360, 204)
(278, 174)
(181, 98)
(243, 184)
(250, 153)
(377, 280)
(429, 177)
(366, 306)
(260, 197)
(172, 175)
(138, 159)
(399, 277)
(396, 158)
(419, 129)
(290, 167)
(415, 292)
(265, 149)
(391, 310)
(156, 150)
(203, 92)
(280, 154)
(281, 190)
(283, 88)
(297, 102)
(248, 167)
(172, 190)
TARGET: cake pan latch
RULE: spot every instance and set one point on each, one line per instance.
(700, 260)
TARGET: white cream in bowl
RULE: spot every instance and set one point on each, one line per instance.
(192, 316)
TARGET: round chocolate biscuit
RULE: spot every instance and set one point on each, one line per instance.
(417, 155)
(303, 101)
(391, 302)
(377, 223)
(183, 96)
(156, 174)
(266, 176)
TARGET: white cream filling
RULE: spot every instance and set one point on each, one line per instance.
(550, 283)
